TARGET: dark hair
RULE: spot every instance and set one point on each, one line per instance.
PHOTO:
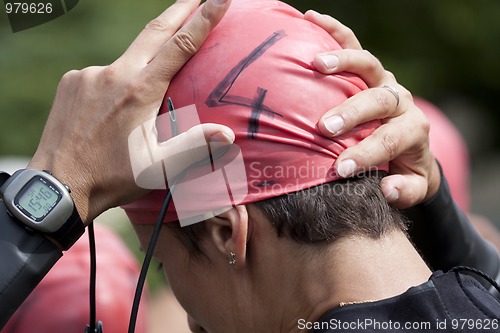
(322, 214)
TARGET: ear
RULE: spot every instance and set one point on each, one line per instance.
(229, 231)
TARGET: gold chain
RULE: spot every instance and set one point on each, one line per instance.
(355, 302)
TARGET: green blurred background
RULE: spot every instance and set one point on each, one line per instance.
(446, 51)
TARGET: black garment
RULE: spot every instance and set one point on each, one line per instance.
(445, 237)
(25, 258)
(449, 302)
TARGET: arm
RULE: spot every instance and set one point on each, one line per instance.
(107, 103)
(25, 259)
(446, 238)
(440, 230)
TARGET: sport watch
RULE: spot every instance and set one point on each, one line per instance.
(42, 203)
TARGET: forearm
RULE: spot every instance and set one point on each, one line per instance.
(109, 102)
(446, 238)
(26, 257)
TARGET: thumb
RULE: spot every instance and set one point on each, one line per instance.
(158, 164)
(404, 191)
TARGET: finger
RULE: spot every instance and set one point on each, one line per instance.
(362, 63)
(195, 145)
(151, 160)
(342, 34)
(184, 44)
(404, 191)
(383, 145)
(371, 104)
(157, 32)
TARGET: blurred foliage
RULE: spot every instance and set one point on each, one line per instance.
(436, 49)
(33, 61)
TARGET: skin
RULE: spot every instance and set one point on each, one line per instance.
(85, 140)
(274, 282)
(414, 171)
(109, 101)
(414, 174)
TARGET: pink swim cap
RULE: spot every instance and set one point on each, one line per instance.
(449, 148)
(60, 303)
(254, 74)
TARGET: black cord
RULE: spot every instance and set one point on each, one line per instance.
(161, 216)
(148, 257)
(478, 272)
(154, 239)
(93, 268)
(91, 328)
(156, 231)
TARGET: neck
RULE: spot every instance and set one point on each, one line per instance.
(367, 269)
(355, 269)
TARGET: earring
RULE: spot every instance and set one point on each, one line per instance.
(232, 259)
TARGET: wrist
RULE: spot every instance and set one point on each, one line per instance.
(43, 204)
(78, 187)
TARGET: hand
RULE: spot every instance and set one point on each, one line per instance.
(84, 143)
(403, 137)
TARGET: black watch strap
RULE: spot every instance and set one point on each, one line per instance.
(3, 177)
(69, 233)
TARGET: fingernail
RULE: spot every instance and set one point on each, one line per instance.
(347, 168)
(221, 137)
(334, 124)
(219, 2)
(315, 13)
(329, 60)
(393, 195)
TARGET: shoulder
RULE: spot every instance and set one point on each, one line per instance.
(475, 300)
(435, 306)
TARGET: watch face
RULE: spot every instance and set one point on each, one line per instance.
(37, 198)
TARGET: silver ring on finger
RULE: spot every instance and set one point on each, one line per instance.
(394, 92)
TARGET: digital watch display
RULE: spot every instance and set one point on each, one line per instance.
(37, 198)
(42, 203)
